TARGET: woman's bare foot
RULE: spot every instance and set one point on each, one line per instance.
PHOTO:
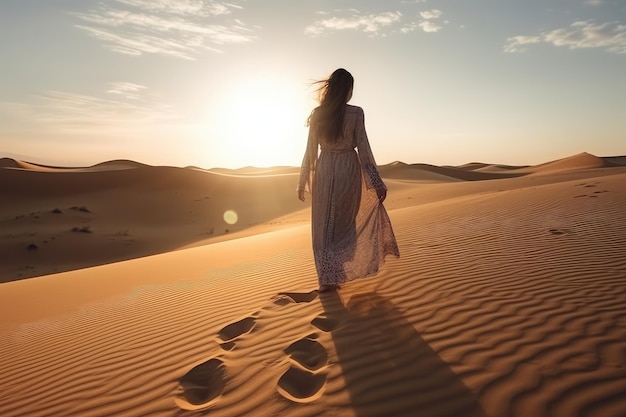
(325, 288)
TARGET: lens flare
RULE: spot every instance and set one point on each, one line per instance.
(230, 216)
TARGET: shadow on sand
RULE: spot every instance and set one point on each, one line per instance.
(388, 368)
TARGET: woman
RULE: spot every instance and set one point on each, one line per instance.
(351, 229)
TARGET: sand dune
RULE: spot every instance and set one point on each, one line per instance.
(17, 164)
(257, 171)
(508, 300)
(433, 173)
(77, 219)
(616, 160)
(483, 167)
(499, 168)
(115, 165)
(472, 166)
(8, 163)
(581, 161)
(103, 166)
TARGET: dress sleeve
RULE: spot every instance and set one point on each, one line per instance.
(368, 164)
(307, 170)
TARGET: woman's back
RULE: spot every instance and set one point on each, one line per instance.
(350, 133)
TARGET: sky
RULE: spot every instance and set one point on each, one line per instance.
(213, 83)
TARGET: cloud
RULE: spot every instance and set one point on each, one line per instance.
(583, 34)
(428, 22)
(123, 108)
(517, 43)
(179, 28)
(428, 26)
(431, 14)
(182, 7)
(354, 20)
(375, 24)
(127, 90)
(594, 2)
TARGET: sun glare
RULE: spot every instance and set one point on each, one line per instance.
(260, 122)
(230, 216)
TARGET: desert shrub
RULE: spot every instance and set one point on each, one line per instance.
(81, 208)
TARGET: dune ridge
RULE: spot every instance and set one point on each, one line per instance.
(582, 160)
(107, 165)
(426, 172)
(502, 304)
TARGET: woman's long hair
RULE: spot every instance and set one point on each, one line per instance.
(334, 93)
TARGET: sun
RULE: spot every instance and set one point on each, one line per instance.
(261, 122)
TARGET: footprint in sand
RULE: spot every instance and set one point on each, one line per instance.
(559, 232)
(234, 330)
(202, 385)
(284, 298)
(324, 323)
(301, 386)
(585, 185)
(598, 192)
(308, 353)
(304, 380)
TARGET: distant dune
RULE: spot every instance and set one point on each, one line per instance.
(580, 161)
(8, 163)
(103, 166)
(430, 173)
(279, 170)
(13, 163)
(480, 166)
(117, 164)
(472, 166)
(616, 160)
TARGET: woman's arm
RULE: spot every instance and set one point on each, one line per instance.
(309, 161)
(368, 164)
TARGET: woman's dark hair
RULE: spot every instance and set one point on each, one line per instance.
(334, 93)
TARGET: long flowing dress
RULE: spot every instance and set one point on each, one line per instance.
(351, 230)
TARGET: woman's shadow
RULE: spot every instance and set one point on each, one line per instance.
(388, 368)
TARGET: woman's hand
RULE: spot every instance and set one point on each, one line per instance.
(382, 194)
(301, 195)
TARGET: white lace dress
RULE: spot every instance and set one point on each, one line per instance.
(351, 230)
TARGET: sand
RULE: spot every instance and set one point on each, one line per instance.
(508, 298)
